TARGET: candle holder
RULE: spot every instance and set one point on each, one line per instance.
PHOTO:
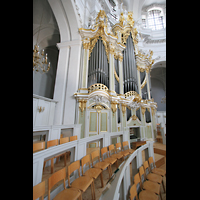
(40, 63)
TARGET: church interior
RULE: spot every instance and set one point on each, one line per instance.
(99, 99)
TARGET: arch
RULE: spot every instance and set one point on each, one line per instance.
(67, 19)
(161, 61)
(101, 104)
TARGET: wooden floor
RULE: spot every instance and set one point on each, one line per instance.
(97, 182)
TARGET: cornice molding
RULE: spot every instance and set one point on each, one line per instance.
(68, 44)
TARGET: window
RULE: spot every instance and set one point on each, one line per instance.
(155, 20)
(144, 21)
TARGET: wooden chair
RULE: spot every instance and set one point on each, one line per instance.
(126, 147)
(105, 158)
(149, 185)
(155, 170)
(82, 182)
(91, 172)
(64, 140)
(38, 146)
(113, 153)
(133, 192)
(152, 177)
(72, 138)
(52, 143)
(39, 190)
(102, 165)
(67, 193)
(119, 149)
(143, 194)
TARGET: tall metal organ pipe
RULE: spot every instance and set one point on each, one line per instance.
(98, 68)
(129, 67)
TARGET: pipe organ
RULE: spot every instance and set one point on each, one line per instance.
(115, 82)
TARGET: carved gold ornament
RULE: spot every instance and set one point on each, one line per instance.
(41, 109)
(114, 107)
(120, 57)
(153, 111)
(123, 108)
(98, 108)
(86, 45)
(82, 104)
(130, 19)
(134, 117)
(143, 110)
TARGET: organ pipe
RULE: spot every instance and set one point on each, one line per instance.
(129, 67)
(98, 65)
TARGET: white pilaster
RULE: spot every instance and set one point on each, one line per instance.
(66, 81)
(72, 83)
(86, 44)
(60, 82)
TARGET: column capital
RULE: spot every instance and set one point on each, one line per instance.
(86, 43)
(120, 57)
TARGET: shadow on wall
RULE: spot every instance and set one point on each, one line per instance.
(158, 92)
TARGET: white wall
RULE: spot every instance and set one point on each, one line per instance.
(158, 92)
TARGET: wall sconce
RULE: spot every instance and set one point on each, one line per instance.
(40, 109)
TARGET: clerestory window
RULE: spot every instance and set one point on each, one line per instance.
(155, 20)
